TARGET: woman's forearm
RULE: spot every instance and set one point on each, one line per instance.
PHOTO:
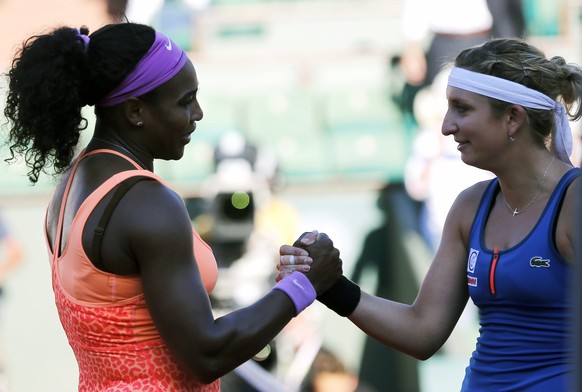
(396, 325)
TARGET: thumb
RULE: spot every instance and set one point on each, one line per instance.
(306, 239)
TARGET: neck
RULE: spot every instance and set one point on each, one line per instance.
(116, 143)
(517, 209)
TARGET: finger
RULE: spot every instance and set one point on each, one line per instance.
(292, 250)
(309, 238)
(324, 239)
(301, 268)
(291, 260)
(289, 270)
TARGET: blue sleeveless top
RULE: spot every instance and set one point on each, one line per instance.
(524, 303)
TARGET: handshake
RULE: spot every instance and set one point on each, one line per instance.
(314, 255)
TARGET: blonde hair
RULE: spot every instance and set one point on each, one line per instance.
(516, 60)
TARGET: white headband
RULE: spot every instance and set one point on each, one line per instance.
(508, 91)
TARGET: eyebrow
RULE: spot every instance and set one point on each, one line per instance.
(189, 93)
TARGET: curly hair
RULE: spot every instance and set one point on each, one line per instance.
(516, 60)
(53, 76)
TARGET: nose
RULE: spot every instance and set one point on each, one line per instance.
(448, 126)
(197, 113)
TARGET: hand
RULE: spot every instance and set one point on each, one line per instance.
(294, 258)
(343, 296)
(326, 267)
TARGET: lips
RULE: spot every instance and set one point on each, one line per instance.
(187, 137)
(460, 144)
(190, 131)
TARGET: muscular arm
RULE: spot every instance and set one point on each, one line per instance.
(161, 238)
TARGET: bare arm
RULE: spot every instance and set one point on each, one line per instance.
(422, 328)
(161, 238)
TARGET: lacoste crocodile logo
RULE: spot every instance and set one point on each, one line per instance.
(539, 262)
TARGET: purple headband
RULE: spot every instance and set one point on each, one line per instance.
(84, 37)
(164, 60)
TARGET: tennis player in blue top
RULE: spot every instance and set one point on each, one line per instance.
(508, 243)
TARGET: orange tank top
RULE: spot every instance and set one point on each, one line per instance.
(105, 316)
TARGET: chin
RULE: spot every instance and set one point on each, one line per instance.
(467, 160)
(178, 154)
(472, 162)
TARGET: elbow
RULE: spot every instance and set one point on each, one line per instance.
(202, 374)
(422, 353)
(208, 377)
(203, 369)
(421, 349)
(426, 342)
(211, 372)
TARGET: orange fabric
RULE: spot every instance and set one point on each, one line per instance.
(105, 316)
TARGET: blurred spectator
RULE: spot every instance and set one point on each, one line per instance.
(434, 173)
(116, 9)
(508, 18)
(175, 18)
(140, 11)
(137, 11)
(11, 255)
(328, 374)
(435, 31)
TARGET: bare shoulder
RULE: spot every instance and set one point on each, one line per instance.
(468, 200)
(154, 212)
(149, 220)
(463, 210)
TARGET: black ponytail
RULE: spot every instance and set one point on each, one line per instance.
(53, 76)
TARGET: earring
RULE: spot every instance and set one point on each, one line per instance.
(511, 138)
(139, 124)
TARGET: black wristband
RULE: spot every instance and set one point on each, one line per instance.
(343, 297)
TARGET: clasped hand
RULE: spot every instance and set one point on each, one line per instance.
(312, 253)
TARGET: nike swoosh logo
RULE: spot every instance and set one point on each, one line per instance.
(296, 283)
(169, 45)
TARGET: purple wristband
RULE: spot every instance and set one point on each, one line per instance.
(299, 289)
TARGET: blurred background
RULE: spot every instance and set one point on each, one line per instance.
(313, 119)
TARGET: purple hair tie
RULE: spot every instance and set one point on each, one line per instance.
(85, 39)
(299, 289)
(162, 61)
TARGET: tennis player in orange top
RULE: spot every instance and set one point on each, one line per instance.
(131, 279)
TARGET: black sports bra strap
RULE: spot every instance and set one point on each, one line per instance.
(122, 188)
